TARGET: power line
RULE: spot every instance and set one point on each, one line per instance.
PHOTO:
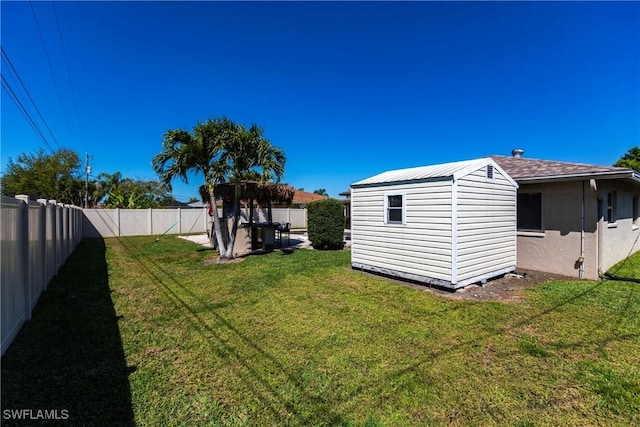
(15, 73)
(66, 62)
(55, 81)
(7, 87)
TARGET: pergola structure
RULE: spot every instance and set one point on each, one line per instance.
(260, 193)
(252, 191)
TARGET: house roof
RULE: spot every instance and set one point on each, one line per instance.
(534, 170)
(304, 197)
(453, 170)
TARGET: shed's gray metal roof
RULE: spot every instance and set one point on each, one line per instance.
(445, 170)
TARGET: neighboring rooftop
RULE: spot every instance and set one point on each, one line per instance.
(518, 168)
(303, 197)
(525, 169)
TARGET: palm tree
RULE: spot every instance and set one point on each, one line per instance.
(199, 152)
(247, 154)
(221, 151)
(107, 183)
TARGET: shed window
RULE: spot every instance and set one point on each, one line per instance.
(611, 208)
(394, 209)
(530, 211)
(636, 208)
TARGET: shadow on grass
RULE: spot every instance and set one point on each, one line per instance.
(271, 396)
(310, 407)
(69, 358)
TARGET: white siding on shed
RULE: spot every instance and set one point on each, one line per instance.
(456, 228)
(425, 234)
(486, 227)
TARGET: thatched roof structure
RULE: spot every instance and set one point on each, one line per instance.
(260, 192)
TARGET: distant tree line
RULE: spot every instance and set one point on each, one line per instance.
(631, 159)
(61, 176)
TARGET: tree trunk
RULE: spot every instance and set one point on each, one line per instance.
(228, 254)
(216, 224)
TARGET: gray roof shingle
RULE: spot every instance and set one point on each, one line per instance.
(521, 168)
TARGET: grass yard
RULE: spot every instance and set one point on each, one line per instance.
(136, 333)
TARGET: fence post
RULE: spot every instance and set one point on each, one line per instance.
(179, 221)
(72, 225)
(42, 236)
(65, 231)
(150, 211)
(23, 251)
(118, 220)
(72, 229)
(80, 225)
(59, 237)
(53, 264)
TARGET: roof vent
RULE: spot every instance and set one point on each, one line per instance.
(517, 152)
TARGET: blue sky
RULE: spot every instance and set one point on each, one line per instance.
(346, 89)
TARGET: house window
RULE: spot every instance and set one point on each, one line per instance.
(394, 208)
(636, 209)
(611, 208)
(530, 211)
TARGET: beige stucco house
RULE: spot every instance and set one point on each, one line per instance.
(574, 219)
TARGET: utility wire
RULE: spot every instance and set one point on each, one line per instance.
(7, 87)
(66, 62)
(46, 54)
(15, 73)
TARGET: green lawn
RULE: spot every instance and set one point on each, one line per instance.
(141, 333)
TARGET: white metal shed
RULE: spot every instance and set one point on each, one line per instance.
(448, 225)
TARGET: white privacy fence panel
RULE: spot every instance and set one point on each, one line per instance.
(143, 222)
(59, 234)
(166, 222)
(154, 222)
(297, 217)
(65, 233)
(134, 222)
(14, 271)
(101, 223)
(191, 221)
(36, 239)
(36, 257)
(52, 255)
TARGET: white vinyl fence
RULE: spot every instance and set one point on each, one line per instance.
(153, 222)
(36, 240)
(143, 222)
(297, 217)
(38, 237)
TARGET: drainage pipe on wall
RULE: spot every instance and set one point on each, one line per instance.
(600, 225)
(581, 259)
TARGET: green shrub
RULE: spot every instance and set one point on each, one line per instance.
(326, 224)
